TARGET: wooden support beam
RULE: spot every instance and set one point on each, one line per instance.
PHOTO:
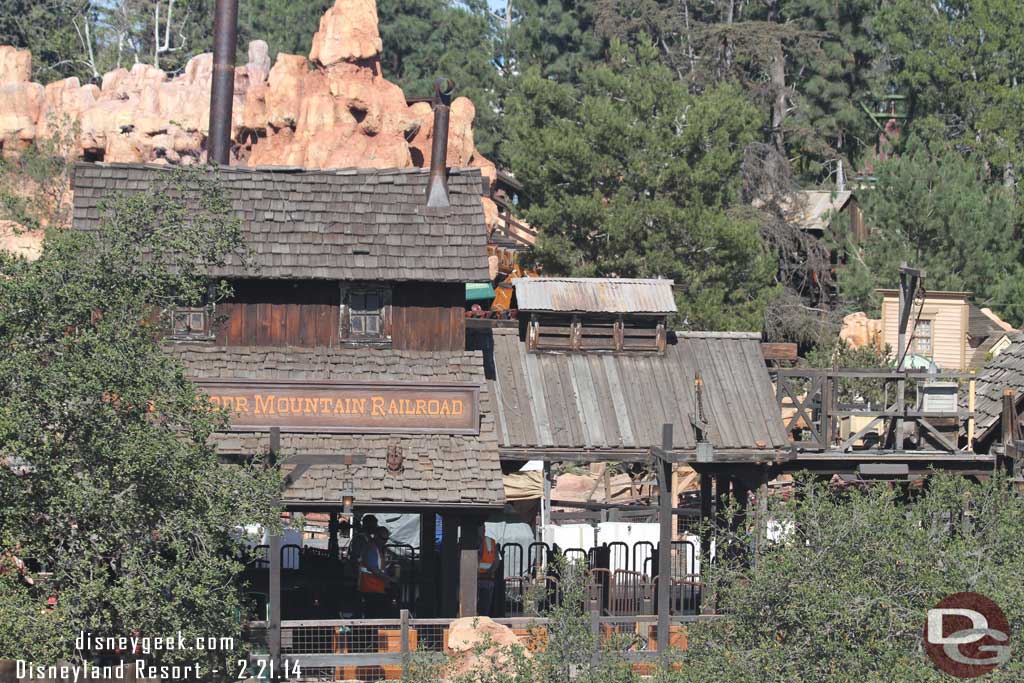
(274, 597)
(469, 563)
(1008, 422)
(664, 468)
(449, 565)
(428, 601)
(706, 504)
(332, 535)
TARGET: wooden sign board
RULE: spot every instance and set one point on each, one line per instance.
(347, 407)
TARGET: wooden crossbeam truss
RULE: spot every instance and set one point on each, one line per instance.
(812, 399)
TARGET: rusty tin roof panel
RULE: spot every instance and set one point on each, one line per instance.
(595, 295)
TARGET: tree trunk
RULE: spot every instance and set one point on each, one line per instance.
(777, 75)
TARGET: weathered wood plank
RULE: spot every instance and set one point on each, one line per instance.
(778, 351)
(618, 398)
(513, 389)
(538, 395)
(602, 394)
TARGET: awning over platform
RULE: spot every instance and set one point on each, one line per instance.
(603, 401)
(426, 470)
(479, 291)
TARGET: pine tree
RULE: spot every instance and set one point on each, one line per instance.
(935, 209)
(629, 174)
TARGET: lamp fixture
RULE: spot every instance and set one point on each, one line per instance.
(348, 497)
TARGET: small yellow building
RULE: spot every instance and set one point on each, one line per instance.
(946, 328)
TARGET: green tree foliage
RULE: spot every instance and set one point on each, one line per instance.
(809, 62)
(50, 29)
(631, 175)
(935, 208)
(425, 39)
(833, 72)
(556, 36)
(842, 595)
(34, 186)
(287, 25)
(107, 478)
(959, 63)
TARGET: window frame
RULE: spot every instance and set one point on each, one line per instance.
(345, 334)
(206, 310)
(915, 338)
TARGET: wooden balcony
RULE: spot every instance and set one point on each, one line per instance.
(837, 418)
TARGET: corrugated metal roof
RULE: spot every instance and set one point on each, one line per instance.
(595, 295)
(608, 401)
(1005, 371)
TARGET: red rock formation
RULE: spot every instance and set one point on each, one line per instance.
(332, 110)
(859, 330)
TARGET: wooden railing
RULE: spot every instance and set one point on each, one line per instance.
(849, 410)
(509, 228)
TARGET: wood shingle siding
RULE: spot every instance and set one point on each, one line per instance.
(1005, 371)
(440, 470)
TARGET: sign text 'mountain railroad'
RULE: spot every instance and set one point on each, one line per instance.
(347, 407)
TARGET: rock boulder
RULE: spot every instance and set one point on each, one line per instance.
(477, 645)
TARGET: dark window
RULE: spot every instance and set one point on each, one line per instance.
(365, 314)
(190, 323)
(194, 322)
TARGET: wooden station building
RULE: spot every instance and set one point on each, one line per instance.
(347, 336)
(345, 351)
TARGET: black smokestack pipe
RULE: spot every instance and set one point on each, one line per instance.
(437, 187)
(222, 87)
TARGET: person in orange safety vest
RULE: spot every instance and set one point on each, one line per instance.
(487, 573)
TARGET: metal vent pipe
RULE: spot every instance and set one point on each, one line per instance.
(437, 186)
(222, 85)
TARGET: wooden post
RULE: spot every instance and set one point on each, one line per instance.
(469, 564)
(332, 535)
(449, 565)
(664, 467)
(762, 519)
(545, 503)
(971, 392)
(403, 616)
(705, 519)
(827, 410)
(428, 564)
(910, 278)
(1008, 422)
(274, 598)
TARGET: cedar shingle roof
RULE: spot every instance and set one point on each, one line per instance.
(440, 469)
(348, 224)
(1005, 371)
